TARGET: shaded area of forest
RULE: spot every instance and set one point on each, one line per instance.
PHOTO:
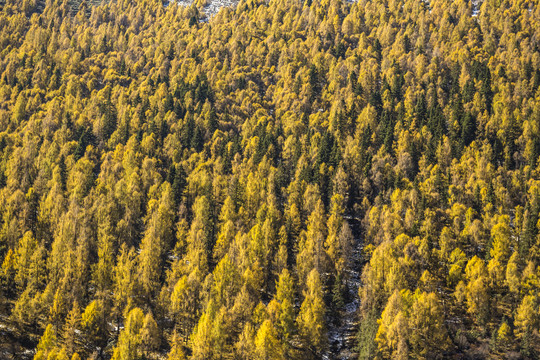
(174, 188)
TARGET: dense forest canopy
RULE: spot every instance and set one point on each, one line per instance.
(253, 184)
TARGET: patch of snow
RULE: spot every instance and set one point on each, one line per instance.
(475, 7)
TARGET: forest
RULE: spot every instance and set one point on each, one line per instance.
(285, 179)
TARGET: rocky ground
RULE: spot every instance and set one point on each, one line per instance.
(212, 6)
(342, 336)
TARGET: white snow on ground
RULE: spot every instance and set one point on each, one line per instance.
(476, 7)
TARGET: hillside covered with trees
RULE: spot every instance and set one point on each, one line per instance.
(252, 184)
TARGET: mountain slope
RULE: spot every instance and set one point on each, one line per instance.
(281, 180)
